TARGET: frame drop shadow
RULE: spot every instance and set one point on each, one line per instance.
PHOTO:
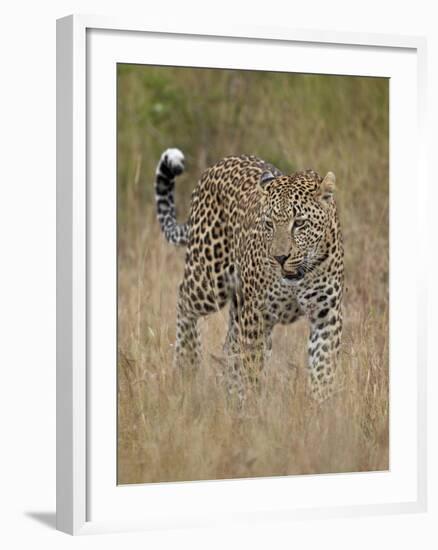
(45, 518)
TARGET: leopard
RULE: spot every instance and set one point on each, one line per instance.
(266, 243)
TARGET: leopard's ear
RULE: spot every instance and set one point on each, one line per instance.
(265, 178)
(327, 187)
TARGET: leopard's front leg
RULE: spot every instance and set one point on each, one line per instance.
(322, 306)
(247, 344)
(253, 340)
(323, 349)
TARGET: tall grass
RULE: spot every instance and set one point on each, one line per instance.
(183, 429)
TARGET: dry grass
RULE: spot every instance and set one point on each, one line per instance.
(172, 428)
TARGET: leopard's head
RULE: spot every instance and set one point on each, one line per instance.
(297, 216)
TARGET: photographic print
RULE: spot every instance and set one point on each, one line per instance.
(253, 268)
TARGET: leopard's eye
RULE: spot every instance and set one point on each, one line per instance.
(269, 224)
(299, 223)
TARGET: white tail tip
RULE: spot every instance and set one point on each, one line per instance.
(175, 159)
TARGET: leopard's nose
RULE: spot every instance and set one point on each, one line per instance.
(281, 259)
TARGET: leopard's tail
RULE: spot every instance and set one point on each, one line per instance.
(171, 164)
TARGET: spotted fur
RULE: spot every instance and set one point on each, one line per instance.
(271, 246)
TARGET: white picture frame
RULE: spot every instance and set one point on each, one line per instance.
(81, 432)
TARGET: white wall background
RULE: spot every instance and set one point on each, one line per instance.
(27, 270)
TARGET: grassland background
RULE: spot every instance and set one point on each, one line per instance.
(172, 429)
